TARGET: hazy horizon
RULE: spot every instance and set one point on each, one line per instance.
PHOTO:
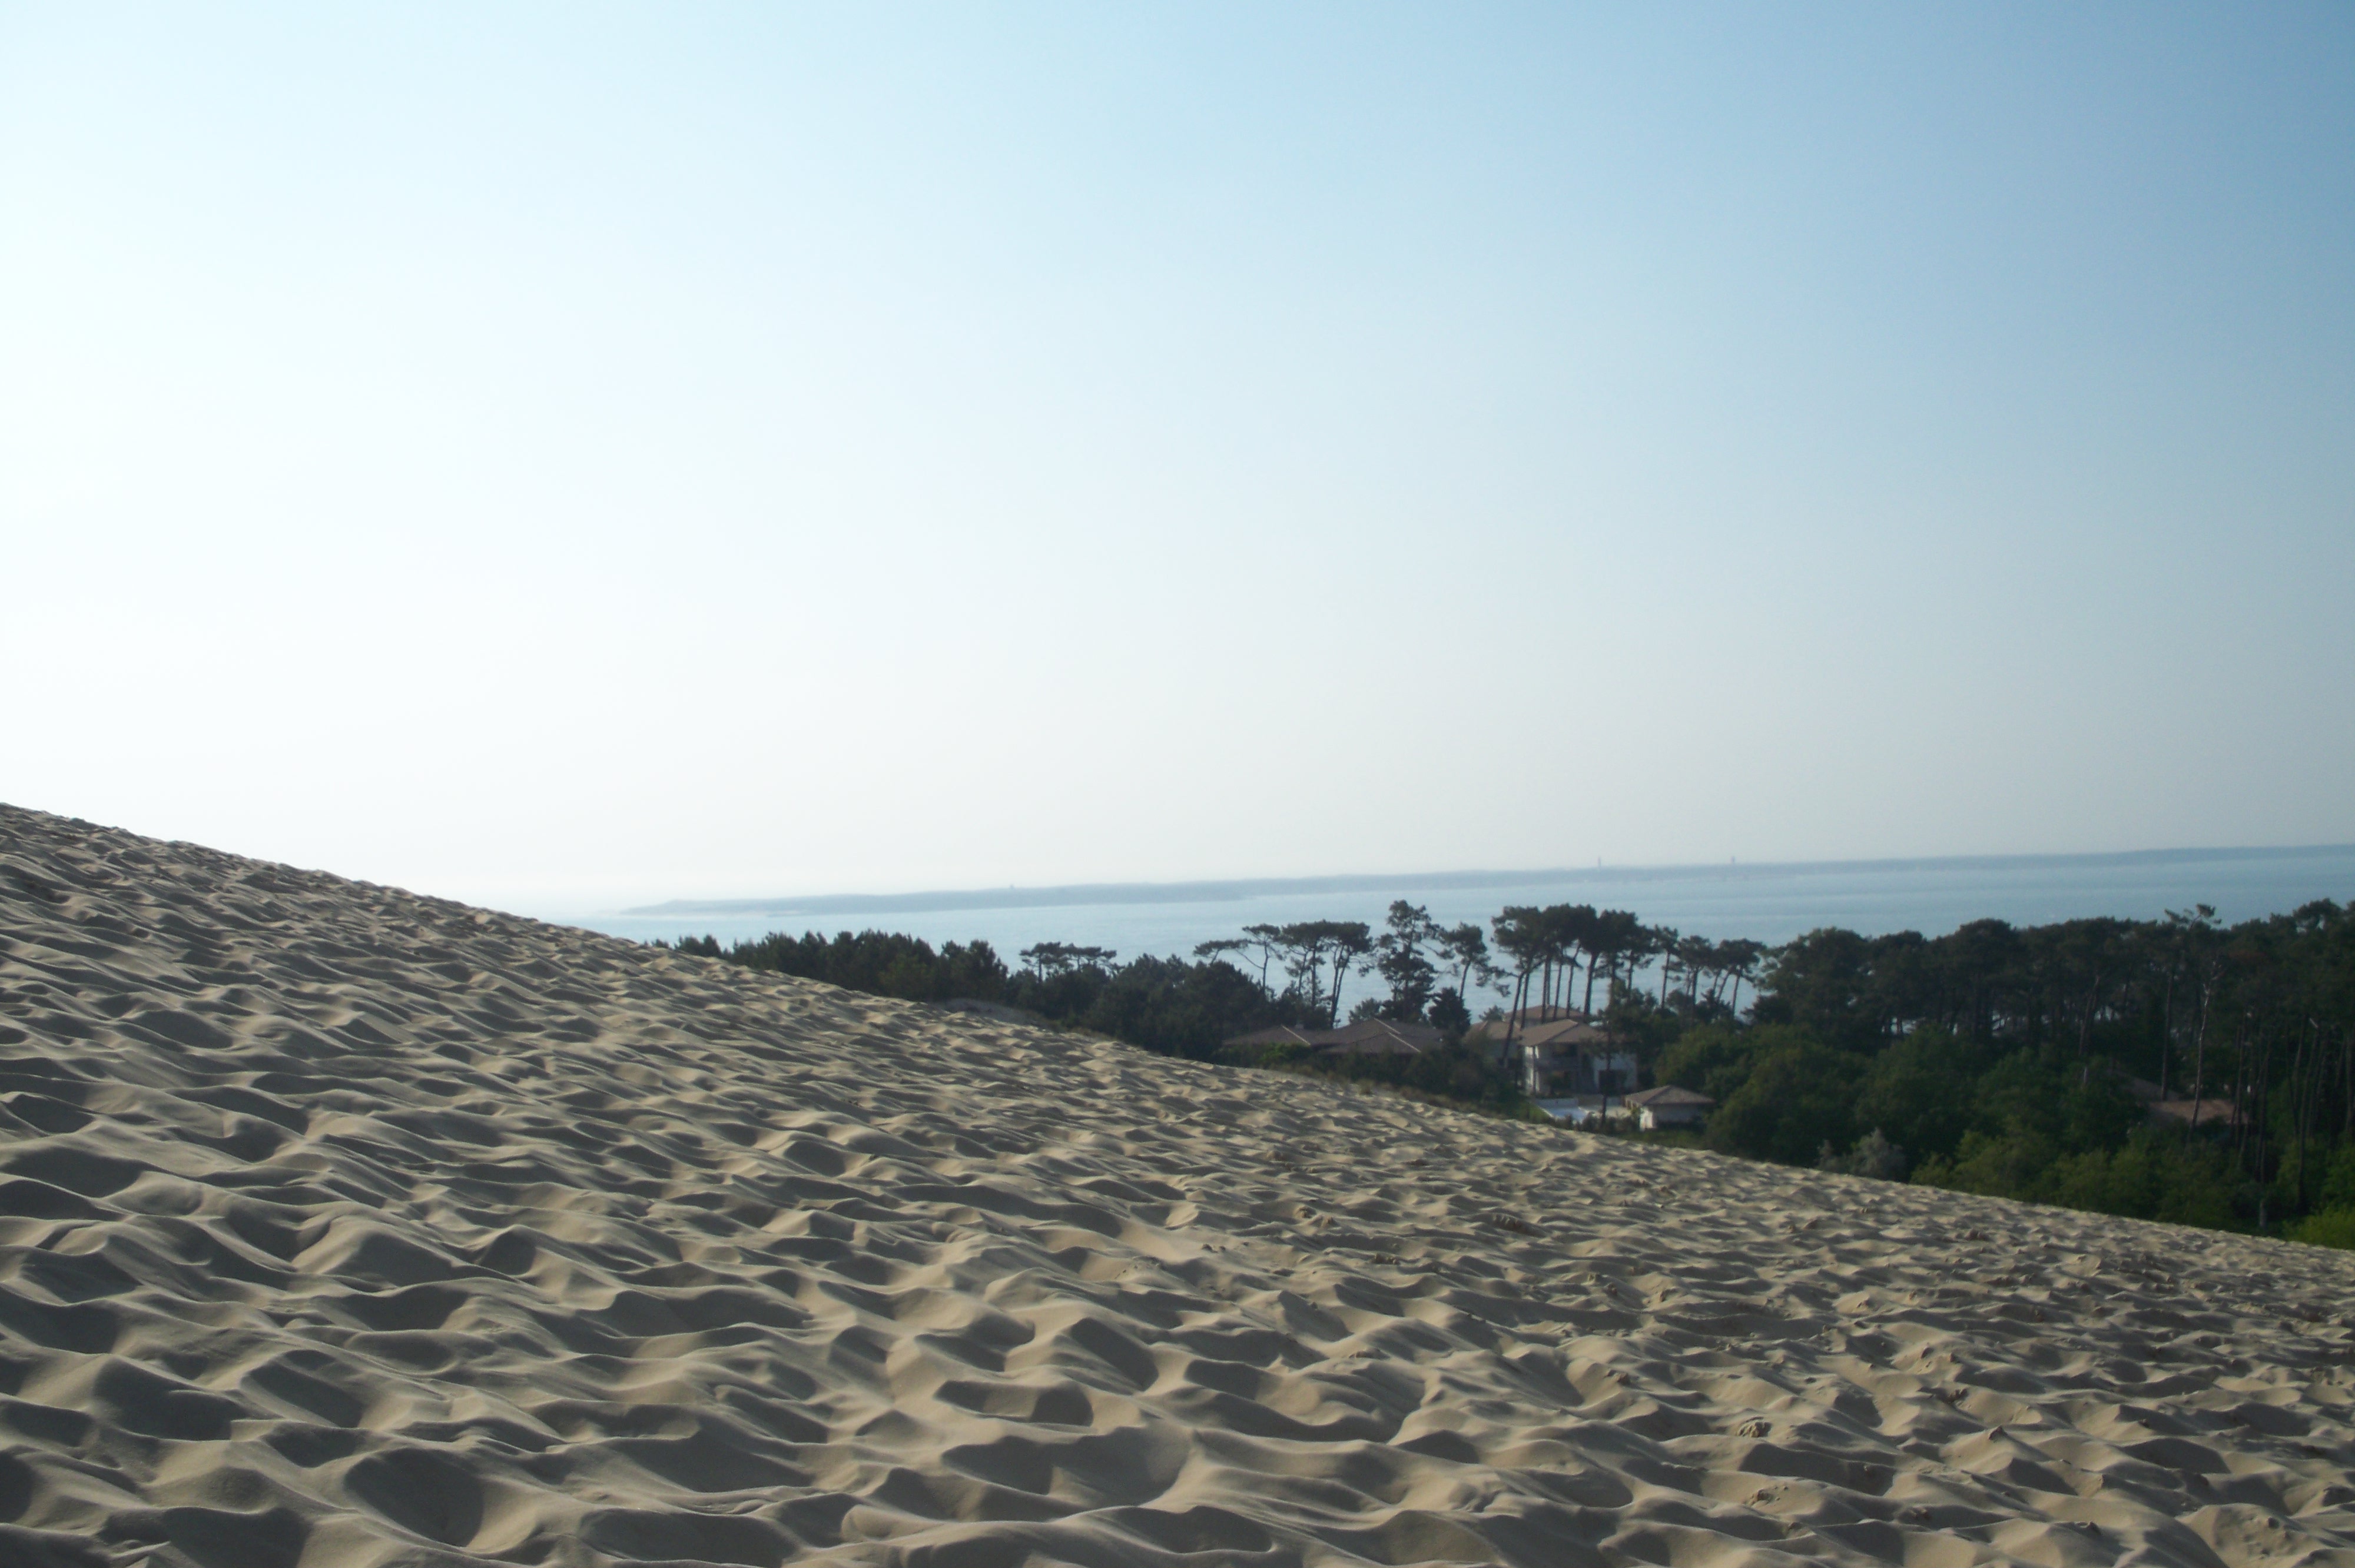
(1066, 895)
(563, 457)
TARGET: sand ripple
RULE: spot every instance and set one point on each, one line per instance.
(343, 1227)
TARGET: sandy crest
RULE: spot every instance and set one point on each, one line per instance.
(345, 1227)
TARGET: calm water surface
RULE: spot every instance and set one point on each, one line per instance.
(1767, 903)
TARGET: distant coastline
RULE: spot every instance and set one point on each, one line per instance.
(1080, 894)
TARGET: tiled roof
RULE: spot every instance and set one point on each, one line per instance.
(1278, 1034)
(1571, 1033)
(1668, 1095)
(1375, 1036)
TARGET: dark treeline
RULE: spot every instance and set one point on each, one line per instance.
(1168, 1005)
(2174, 1069)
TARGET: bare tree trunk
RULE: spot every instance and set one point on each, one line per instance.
(2200, 1058)
(2261, 1108)
(2298, 1135)
(2165, 1035)
(2238, 1128)
(2308, 1095)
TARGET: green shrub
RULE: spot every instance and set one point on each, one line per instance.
(1798, 1098)
(2155, 1175)
(2338, 1180)
(1919, 1093)
(2332, 1227)
(1717, 1059)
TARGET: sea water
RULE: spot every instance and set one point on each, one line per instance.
(1768, 903)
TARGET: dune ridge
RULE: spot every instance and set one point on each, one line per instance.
(344, 1227)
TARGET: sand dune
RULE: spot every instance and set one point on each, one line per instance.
(344, 1227)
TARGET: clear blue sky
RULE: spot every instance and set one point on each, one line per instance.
(570, 455)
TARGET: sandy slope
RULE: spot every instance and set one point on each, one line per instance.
(348, 1228)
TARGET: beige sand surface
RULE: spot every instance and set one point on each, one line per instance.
(346, 1227)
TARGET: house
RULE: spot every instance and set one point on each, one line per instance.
(1650, 1109)
(2208, 1111)
(1366, 1037)
(1380, 1037)
(1561, 1054)
(1669, 1106)
(1280, 1034)
(1490, 1036)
